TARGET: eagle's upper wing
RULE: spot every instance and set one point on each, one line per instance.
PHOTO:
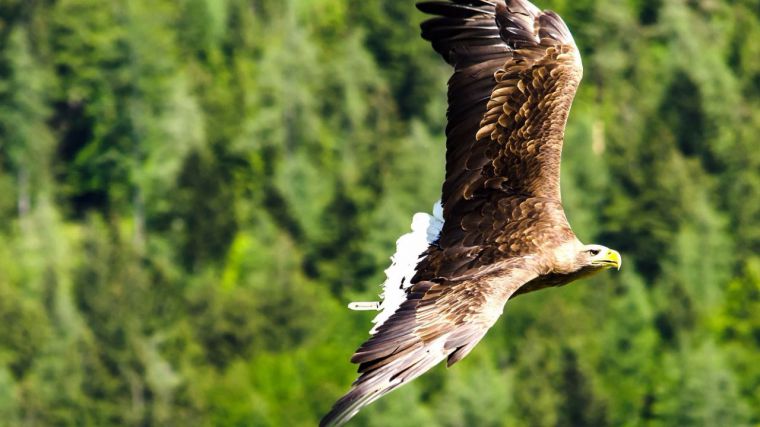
(516, 71)
(439, 319)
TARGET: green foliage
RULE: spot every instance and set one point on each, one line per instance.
(192, 190)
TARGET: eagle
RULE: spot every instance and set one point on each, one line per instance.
(500, 229)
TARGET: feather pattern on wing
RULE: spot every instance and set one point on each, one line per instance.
(516, 71)
(437, 321)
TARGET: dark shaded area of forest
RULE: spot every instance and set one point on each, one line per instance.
(193, 190)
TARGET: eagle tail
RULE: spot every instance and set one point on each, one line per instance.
(410, 250)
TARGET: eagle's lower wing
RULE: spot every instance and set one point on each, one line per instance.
(516, 71)
(439, 320)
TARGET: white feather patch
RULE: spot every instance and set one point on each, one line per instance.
(409, 249)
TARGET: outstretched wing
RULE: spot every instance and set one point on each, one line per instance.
(439, 320)
(516, 73)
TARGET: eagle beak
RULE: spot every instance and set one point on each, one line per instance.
(608, 259)
(613, 259)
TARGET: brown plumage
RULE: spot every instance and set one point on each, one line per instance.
(516, 71)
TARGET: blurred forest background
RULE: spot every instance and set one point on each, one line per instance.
(192, 190)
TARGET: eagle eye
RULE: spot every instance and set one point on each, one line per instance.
(594, 252)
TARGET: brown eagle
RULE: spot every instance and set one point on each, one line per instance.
(500, 229)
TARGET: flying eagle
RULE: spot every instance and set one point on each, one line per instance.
(500, 229)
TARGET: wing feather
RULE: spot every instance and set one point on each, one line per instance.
(438, 321)
(516, 70)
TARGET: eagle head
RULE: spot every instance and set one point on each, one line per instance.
(598, 258)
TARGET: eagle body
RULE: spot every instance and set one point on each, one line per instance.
(500, 229)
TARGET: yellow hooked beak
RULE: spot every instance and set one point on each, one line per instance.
(609, 258)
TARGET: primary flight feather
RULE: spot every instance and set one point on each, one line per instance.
(502, 230)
